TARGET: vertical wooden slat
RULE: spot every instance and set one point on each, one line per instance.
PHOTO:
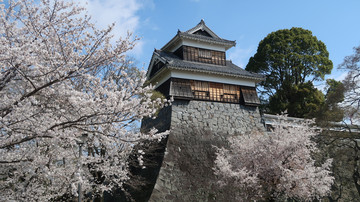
(250, 96)
(223, 59)
(195, 55)
(192, 54)
(215, 91)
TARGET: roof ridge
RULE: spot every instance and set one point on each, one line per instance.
(229, 69)
(202, 26)
(189, 34)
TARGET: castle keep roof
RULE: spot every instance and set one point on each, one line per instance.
(198, 54)
(200, 33)
(172, 61)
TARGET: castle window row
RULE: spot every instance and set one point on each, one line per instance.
(201, 55)
(220, 92)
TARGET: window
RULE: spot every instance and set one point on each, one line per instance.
(204, 54)
(181, 88)
(250, 96)
(216, 91)
(203, 90)
(200, 89)
(231, 93)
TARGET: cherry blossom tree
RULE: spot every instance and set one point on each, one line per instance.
(61, 79)
(275, 166)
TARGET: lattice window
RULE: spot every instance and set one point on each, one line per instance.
(204, 53)
(200, 89)
(181, 88)
(216, 91)
(203, 90)
(231, 93)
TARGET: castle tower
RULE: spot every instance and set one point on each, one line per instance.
(213, 99)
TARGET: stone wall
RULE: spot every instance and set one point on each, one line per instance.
(217, 117)
(186, 172)
(180, 167)
(344, 149)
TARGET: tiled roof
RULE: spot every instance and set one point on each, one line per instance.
(191, 34)
(202, 26)
(174, 62)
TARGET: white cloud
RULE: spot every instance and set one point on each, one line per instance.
(338, 75)
(240, 56)
(121, 12)
(148, 23)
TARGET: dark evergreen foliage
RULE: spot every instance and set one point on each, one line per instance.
(289, 59)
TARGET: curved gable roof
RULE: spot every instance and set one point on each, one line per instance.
(172, 61)
(192, 35)
(201, 26)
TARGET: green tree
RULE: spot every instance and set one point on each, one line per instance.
(301, 100)
(289, 58)
(330, 111)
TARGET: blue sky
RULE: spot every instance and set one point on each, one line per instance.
(335, 22)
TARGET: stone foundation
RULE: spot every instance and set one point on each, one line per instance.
(186, 172)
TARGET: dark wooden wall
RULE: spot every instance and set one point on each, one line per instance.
(201, 55)
(204, 90)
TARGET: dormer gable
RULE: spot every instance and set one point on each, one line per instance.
(200, 36)
(202, 33)
(202, 29)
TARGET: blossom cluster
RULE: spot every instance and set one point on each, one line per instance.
(61, 78)
(276, 165)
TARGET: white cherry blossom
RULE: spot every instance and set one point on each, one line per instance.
(276, 165)
(62, 78)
